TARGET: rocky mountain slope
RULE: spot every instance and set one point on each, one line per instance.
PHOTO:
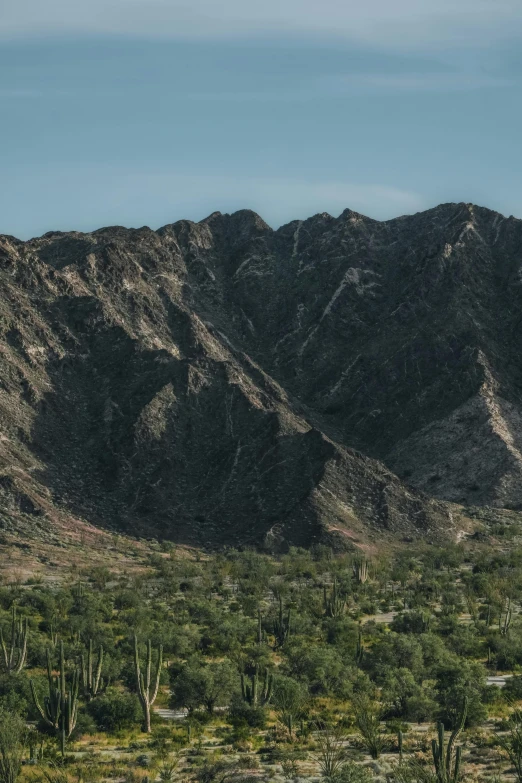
(221, 382)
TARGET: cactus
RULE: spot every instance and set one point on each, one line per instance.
(60, 707)
(260, 636)
(53, 633)
(360, 570)
(14, 653)
(447, 762)
(335, 603)
(359, 649)
(255, 693)
(505, 623)
(400, 739)
(91, 678)
(79, 589)
(147, 696)
(282, 626)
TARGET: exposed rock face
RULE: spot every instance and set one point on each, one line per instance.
(209, 382)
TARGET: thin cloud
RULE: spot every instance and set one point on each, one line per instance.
(361, 83)
(404, 23)
(417, 82)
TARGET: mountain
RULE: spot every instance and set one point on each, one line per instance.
(224, 383)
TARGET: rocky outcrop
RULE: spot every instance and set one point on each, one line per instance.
(219, 382)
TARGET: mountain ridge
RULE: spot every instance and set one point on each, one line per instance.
(220, 381)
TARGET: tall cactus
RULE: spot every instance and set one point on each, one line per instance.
(447, 761)
(504, 620)
(360, 571)
(359, 647)
(282, 625)
(53, 631)
(146, 694)
(60, 707)
(334, 603)
(254, 693)
(260, 638)
(91, 678)
(79, 589)
(14, 652)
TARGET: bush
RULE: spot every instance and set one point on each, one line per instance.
(240, 712)
(115, 710)
(12, 739)
(353, 773)
(15, 695)
(513, 688)
(85, 724)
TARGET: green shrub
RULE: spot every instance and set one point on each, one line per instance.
(115, 710)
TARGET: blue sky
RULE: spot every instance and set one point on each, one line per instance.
(138, 112)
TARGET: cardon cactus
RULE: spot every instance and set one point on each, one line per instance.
(60, 707)
(14, 652)
(282, 626)
(91, 679)
(334, 603)
(448, 760)
(257, 693)
(147, 691)
(360, 571)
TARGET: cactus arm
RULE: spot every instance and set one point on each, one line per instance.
(49, 668)
(270, 688)
(4, 652)
(137, 666)
(149, 665)
(259, 628)
(62, 671)
(158, 674)
(141, 690)
(255, 688)
(97, 678)
(83, 670)
(37, 704)
(24, 630)
(457, 730)
(458, 761)
(89, 665)
(13, 639)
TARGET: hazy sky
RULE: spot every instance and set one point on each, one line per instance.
(146, 111)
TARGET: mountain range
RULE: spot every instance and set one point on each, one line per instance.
(223, 383)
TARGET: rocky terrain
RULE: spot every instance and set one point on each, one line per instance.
(224, 383)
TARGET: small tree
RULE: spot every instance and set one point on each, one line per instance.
(289, 701)
(114, 710)
(146, 693)
(208, 685)
(332, 754)
(368, 721)
(12, 742)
